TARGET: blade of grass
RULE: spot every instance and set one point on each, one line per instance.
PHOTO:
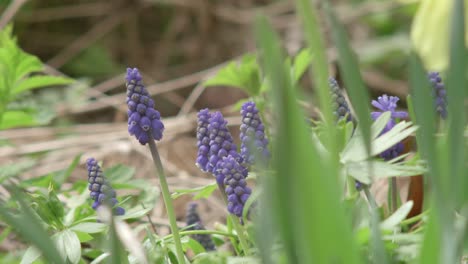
(349, 69)
(359, 97)
(425, 118)
(457, 93)
(306, 202)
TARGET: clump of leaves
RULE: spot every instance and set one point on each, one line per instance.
(20, 72)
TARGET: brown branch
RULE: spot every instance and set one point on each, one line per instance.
(11, 11)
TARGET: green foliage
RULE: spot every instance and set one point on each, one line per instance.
(20, 72)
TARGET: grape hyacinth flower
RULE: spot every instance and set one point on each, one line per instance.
(236, 189)
(194, 223)
(387, 103)
(99, 187)
(340, 106)
(203, 139)
(143, 119)
(221, 143)
(439, 93)
(252, 134)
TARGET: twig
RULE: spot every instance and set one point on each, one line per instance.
(153, 226)
(10, 12)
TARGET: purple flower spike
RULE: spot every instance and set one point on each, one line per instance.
(100, 189)
(439, 93)
(143, 120)
(233, 175)
(203, 139)
(387, 103)
(221, 142)
(252, 133)
(340, 106)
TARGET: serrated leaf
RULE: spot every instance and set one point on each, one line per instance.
(12, 119)
(68, 245)
(35, 82)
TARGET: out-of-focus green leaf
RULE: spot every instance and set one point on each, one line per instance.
(457, 96)
(201, 192)
(89, 227)
(13, 119)
(301, 63)
(39, 82)
(119, 173)
(398, 216)
(28, 226)
(362, 171)
(68, 245)
(135, 213)
(243, 74)
(295, 206)
(30, 255)
(14, 169)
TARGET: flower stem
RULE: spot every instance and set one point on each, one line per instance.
(236, 224)
(167, 200)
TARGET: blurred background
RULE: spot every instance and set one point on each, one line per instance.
(176, 44)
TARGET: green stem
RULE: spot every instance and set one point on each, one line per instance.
(167, 199)
(240, 233)
(236, 224)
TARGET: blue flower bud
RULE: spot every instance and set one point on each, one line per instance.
(143, 120)
(252, 134)
(439, 93)
(340, 106)
(194, 223)
(100, 189)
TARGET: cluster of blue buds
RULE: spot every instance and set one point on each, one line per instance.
(99, 187)
(194, 223)
(217, 152)
(387, 103)
(221, 141)
(144, 121)
(233, 175)
(252, 134)
(203, 139)
(439, 93)
(340, 106)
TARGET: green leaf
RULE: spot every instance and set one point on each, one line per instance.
(68, 245)
(349, 69)
(201, 192)
(355, 150)
(13, 119)
(457, 96)
(89, 227)
(30, 255)
(135, 213)
(83, 237)
(301, 63)
(62, 176)
(362, 171)
(30, 228)
(295, 206)
(35, 82)
(398, 216)
(13, 170)
(243, 74)
(119, 173)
